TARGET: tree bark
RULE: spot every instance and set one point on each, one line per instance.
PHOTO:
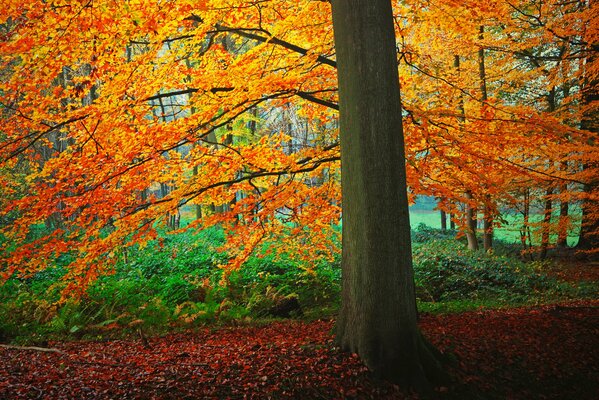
(525, 237)
(471, 223)
(443, 220)
(378, 314)
(546, 229)
(488, 216)
(589, 229)
(470, 212)
(564, 219)
(488, 229)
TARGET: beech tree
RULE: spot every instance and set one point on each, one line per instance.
(378, 312)
(162, 93)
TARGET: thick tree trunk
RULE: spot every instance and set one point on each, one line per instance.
(378, 314)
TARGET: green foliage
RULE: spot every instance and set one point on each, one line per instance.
(174, 282)
(445, 270)
(424, 234)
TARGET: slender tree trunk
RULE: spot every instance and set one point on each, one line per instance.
(589, 229)
(443, 220)
(564, 208)
(471, 223)
(488, 216)
(451, 222)
(470, 212)
(546, 228)
(461, 108)
(564, 219)
(378, 314)
(198, 207)
(481, 68)
(488, 229)
(525, 237)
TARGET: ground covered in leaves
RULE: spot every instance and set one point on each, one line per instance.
(547, 352)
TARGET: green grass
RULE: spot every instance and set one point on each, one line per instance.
(508, 232)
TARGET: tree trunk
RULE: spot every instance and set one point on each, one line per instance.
(589, 229)
(546, 228)
(378, 314)
(488, 229)
(564, 219)
(481, 68)
(471, 224)
(488, 217)
(525, 228)
(443, 221)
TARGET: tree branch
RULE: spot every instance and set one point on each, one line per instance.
(250, 34)
(41, 134)
(34, 348)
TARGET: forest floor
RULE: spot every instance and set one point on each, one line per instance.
(542, 352)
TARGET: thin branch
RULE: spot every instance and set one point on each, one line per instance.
(249, 177)
(553, 177)
(248, 33)
(187, 91)
(33, 348)
(38, 136)
(308, 96)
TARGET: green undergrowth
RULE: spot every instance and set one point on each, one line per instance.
(175, 283)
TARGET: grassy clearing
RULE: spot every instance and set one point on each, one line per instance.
(509, 232)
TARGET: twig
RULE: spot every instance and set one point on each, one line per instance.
(34, 348)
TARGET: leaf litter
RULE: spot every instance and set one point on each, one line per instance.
(546, 352)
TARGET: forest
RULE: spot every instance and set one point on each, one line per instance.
(299, 199)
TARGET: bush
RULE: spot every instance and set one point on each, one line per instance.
(174, 281)
(445, 270)
(424, 234)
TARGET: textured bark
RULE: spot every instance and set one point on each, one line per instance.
(378, 315)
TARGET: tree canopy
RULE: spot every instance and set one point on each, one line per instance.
(119, 116)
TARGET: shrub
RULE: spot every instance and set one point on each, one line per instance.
(445, 270)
